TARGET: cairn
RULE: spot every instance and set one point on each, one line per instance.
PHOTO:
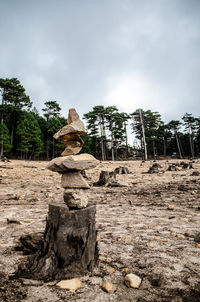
(70, 165)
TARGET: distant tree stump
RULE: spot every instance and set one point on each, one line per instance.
(122, 170)
(69, 248)
(106, 177)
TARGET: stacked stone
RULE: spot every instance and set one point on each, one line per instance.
(70, 164)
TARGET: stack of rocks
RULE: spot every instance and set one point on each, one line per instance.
(70, 164)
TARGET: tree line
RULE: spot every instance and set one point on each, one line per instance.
(27, 134)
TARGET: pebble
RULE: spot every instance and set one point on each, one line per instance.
(70, 284)
(180, 236)
(130, 227)
(188, 234)
(108, 287)
(111, 270)
(125, 270)
(150, 244)
(173, 234)
(132, 280)
(127, 240)
(98, 238)
(170, 207)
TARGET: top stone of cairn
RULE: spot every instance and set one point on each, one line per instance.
(70, 134)
(75, 126)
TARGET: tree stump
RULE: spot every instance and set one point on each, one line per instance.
(69, 248)
(106, 177)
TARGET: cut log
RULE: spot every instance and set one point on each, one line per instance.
(69, 248)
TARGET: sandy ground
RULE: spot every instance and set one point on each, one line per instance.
(137, 232)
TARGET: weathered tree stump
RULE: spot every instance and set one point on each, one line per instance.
(69, 248)
(122, 170)
(106, 177)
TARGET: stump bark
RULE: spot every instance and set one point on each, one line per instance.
(69, 248)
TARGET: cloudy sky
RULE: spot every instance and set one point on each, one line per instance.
(82, 53)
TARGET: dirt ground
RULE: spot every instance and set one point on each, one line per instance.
(146, 228)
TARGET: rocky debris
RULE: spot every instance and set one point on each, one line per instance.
(132, 280)
(75, 199)
(180, 166)
(70, 284)
(12, 220)
(4, 159)
(79, 162)
(121, 170)
(197, 238)
(154, 168)
(70, 134)
(108, 287)
(5, 167)
(74, 180)
(185, 165)
(172, 167)
(195, 173)
(11, 290)
(31, 282)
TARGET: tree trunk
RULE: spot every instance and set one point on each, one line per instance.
(126, 137)
(154, 150)
(12, 134)
(191, 143)
(143, 135)
(178, 145)
(164, 147)
(69, 248)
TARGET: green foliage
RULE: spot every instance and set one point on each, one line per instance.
(29, 133)
(13, 93)
(23, 130)
(152, 123)
(5, 138)
(87, 147)
(52, 109)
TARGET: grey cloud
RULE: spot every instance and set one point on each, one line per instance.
(67, 50)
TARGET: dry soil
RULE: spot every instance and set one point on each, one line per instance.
(147, 228)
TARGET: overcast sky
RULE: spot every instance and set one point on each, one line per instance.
(82, 53)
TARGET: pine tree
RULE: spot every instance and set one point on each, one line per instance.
(5, 138)
(30, 142)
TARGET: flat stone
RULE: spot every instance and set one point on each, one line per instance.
(75, 125)
(132, 280)
(75, 198)
(72, 162)
(70, 284)
(74, 180)
(72, 148)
